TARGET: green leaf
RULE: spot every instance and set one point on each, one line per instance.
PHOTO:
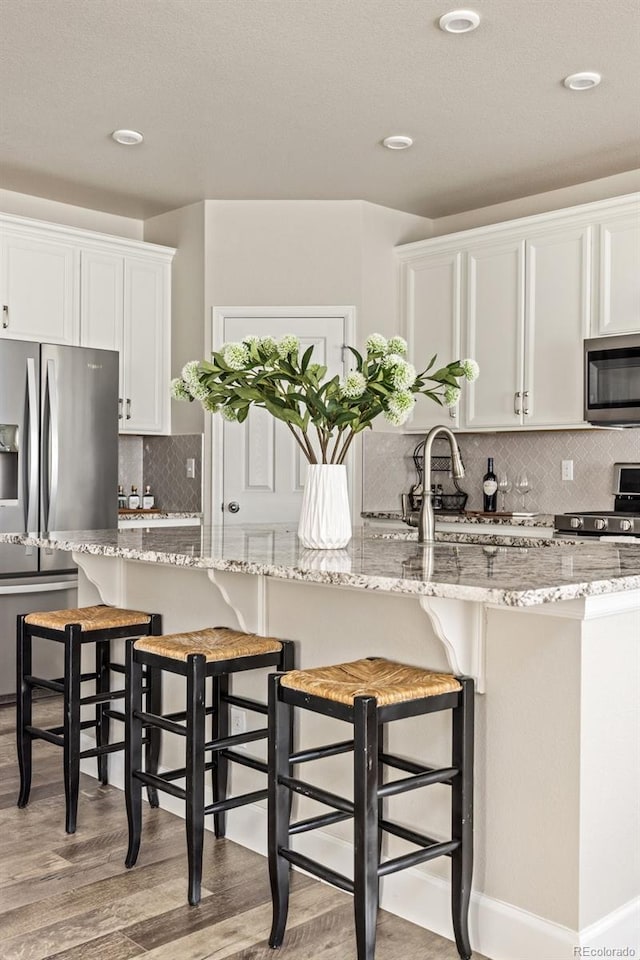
(306, 357)
(358, 356)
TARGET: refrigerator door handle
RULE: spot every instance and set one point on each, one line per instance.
(31, 518)
(53, 426)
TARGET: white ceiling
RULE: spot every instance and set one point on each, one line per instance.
(289, 99)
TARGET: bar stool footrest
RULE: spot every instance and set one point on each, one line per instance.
(322, 820)
(317, 793)
(418, 856)
(245, 703)
(236, 739)
(232, 802)
(317, 869)
(444, 775)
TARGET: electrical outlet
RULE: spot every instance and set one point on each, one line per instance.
(238, 721)
(567, 469)
(191, 468)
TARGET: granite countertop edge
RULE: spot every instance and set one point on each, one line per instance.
(305, 568)
(539, 520)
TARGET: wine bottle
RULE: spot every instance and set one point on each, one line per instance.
(134, 499)
(489, 489)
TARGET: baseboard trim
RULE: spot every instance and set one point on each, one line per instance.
(498, 930)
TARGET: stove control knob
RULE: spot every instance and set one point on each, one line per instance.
(576, 522)
(625, 525)
(599, 524)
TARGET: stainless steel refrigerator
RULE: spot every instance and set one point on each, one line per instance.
(58, 469)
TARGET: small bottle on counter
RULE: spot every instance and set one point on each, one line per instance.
(122, 499)
(437, 498)
(148, 499)
(489, 489)
(134, 499)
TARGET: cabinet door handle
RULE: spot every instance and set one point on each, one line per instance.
(128, 409)
(516, 405)
(120, 402)
(525, 397)
(5, 316)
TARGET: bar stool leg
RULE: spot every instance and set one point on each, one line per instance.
(280, 744)
(71, 761)
(220, 729)
(196, 677)
(462, 817)
(23, 713)
(103, 681)
(154, 706)
(133, 751)
(365, 796)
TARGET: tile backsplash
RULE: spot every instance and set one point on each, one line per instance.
(388, 468)
(161, 463)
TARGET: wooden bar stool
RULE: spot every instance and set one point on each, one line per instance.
(369, 694)
(75, 628)
(215, 652)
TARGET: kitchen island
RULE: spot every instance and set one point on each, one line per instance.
(552, 636)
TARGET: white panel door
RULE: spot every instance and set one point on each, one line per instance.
(557, 321)
(146, 346)
(263, 468)
(431, 297)
(495, 332)
(619, 275)
(39, 289)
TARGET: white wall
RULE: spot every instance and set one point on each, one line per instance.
(39, 208)
(603, 189)
(185, 230)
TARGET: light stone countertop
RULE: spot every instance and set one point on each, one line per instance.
(514, 576)
(505, 519)
(158, 515)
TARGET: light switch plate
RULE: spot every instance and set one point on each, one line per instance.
(191, 468)
(567, 469)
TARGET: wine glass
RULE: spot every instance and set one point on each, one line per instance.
(523, 487)
(504, 486)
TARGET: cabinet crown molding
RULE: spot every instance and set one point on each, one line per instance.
(584, 213)
(87, 237)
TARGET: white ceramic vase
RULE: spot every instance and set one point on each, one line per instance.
(325, 518)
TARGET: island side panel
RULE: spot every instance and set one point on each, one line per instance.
(610, 767)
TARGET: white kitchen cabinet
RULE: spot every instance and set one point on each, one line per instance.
(125, 306)
(38, 288)
(557, 319)
(528, 311)
(61, 284)
(431, 292)
(619, 261)
(531, 291)
(494, 332)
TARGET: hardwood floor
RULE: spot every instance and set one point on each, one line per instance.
(70, 897)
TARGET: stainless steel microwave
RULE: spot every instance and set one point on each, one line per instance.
(612, 380)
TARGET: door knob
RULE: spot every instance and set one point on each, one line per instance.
(233, 507)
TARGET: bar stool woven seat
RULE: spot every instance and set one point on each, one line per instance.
(214, 654)
(385, 680)
(75, 629)
(369, 694)
(88, 618)
(213, 643)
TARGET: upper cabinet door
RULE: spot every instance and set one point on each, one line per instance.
(146, 345)
(619, 301)
(39, 289)
(431, 300)
(558, 300)
(494, 333)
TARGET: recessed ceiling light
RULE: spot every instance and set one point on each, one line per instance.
(459, 21)
(582, 81)
(397, 143)
(127, 137)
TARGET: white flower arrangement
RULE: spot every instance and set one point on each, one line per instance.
(270, 373)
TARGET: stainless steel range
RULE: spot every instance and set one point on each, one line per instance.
(623, 520)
